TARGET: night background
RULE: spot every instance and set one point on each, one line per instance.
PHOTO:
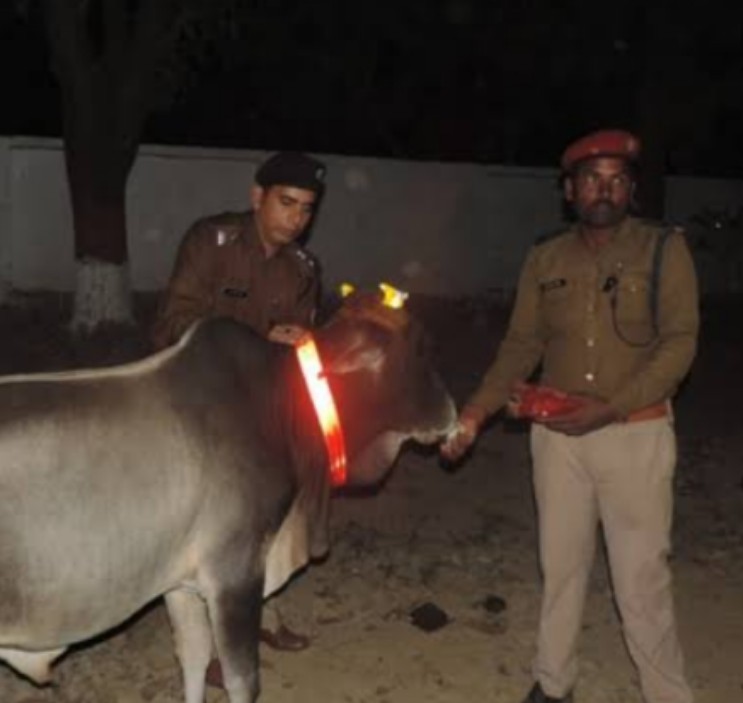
(483, 81)
(465, 80)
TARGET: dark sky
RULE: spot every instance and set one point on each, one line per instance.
(497, 82)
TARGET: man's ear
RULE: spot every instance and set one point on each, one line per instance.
(257, 194)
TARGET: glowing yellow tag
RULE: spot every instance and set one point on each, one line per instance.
(346, 289)
(393, 298)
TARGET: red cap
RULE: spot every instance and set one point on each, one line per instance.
(605, 142)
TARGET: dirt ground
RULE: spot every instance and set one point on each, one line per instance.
(461, 543)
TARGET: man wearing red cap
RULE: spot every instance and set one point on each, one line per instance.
(247, 266)
(609, 309)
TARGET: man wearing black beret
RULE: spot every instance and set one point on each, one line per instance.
(249, 267)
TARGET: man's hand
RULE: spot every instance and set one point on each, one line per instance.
(463, 437)
(593, 414)
(287, 334)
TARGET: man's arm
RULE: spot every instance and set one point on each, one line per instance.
(306, 309)
(522, 348)
(518, 356)
(188, 296)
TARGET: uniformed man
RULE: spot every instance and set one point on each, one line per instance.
(248, 266)
(589, 309)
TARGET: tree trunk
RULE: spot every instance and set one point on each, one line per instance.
(97, 174)
(102, 295)
(105, 78)
(97, 180)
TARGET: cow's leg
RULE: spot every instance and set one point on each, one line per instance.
(235, 613)
(193, 640)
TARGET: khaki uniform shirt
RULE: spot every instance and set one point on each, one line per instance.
(222, 271)
(587, 317)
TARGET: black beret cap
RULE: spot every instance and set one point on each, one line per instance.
(292, 168)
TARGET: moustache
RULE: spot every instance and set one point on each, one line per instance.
(604, 203)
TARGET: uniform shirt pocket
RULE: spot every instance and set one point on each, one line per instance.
(632, 298)
(232, 295)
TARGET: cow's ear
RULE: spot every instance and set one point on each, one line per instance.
(363, 352)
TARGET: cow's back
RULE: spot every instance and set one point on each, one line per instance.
(118, 484)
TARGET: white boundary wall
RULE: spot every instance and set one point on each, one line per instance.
(447, 229)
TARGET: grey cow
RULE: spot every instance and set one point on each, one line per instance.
(200, 474)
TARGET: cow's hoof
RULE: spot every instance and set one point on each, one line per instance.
(214, 674)
(537, 695)
(284, 640)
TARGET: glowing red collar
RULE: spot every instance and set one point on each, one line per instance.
(322, 401)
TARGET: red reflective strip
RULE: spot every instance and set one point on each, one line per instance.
(327, 415)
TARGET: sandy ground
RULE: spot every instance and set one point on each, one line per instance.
(462, 540)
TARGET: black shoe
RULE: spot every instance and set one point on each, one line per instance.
(537, 695)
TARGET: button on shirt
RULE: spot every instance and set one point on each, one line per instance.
(587, 317)
(222, 271)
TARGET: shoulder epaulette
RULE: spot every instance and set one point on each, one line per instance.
(229, 227)
(307, 259)
(665, 225)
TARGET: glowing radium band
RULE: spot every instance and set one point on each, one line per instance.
(327, 415)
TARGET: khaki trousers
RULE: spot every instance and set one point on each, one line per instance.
(620, 476)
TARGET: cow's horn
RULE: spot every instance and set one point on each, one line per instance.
(392, 297)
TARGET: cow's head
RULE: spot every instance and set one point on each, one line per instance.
(379, 368)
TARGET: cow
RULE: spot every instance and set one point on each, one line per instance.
(200, 474)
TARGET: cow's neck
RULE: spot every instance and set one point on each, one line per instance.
(305, 431)
(315, 378)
